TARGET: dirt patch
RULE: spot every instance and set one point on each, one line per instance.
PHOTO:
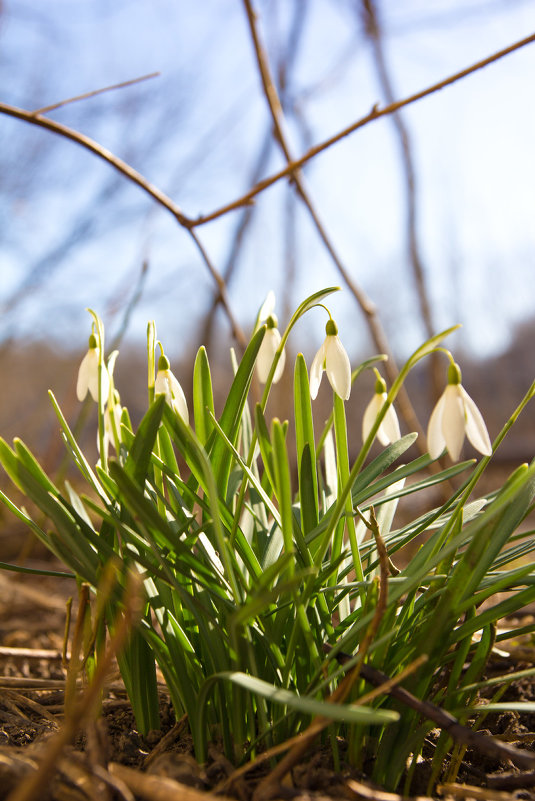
(109, 759)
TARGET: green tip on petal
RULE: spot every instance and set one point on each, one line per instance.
(454, 374)
(272, 321)
(163, 363)
(380, 384)
(331, 329)
(92, 342)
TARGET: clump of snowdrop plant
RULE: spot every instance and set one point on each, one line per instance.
(266, 588)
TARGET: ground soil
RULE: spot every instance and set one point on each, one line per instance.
(108, 759)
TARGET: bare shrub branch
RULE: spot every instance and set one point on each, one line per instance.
(368, 308)
(375, 114)
(95, 92)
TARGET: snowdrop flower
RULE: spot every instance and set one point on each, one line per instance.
(88, 374)
(332, 358)
(166, 384)
(388, 430)
(455, 415)
(266, 354)
(267, 308)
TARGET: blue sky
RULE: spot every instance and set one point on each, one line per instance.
(196, 130)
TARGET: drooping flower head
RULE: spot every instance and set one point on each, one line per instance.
(88, 374)
(268, 349)
(332, 358)
(166, 384)
(454, 416)
(270, 343)
(388, 430)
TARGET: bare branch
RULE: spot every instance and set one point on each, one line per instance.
(237, 331)
(122, 85)
(136, 177)
(238, 240)
(444, 719)
(94, 147)
(373, 30)
(290, 171)
(368, 308)
(375, 114)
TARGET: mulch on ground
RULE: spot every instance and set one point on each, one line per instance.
(108, 759)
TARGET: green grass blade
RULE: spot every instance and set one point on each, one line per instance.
(76, 453)
(203, 397)
(197, 454)
(230, 420)
(139, 457)
(138, 669)
(381, 463)
(305, 447)
(283, 486)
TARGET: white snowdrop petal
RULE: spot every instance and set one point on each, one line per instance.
(316, 371)
(181, 407)
(264, 359)
(435, 438)
(174, 384)
(266, 354)
(476, 430)
(453, 420)
(338, 367)
(105, 379)
(88, 377)
(82, 383)
(331, 470)
(167, 384)
(370, 415)
(389, 427)
(161, 385)
(179, 399)
(280, 364)
(267, 307)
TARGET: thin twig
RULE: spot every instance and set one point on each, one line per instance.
(445, 720)
(100, 151)
(131, 305)
(373, 29)
(367, 793)
(511, 781)
(237, 331)
(469, 791)
(30, 653)
(152, 787)
(122, 85)
(238, 240)
(368, 308)
(170, 737)
(375, 114)
(136, 177)
(160, 197)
